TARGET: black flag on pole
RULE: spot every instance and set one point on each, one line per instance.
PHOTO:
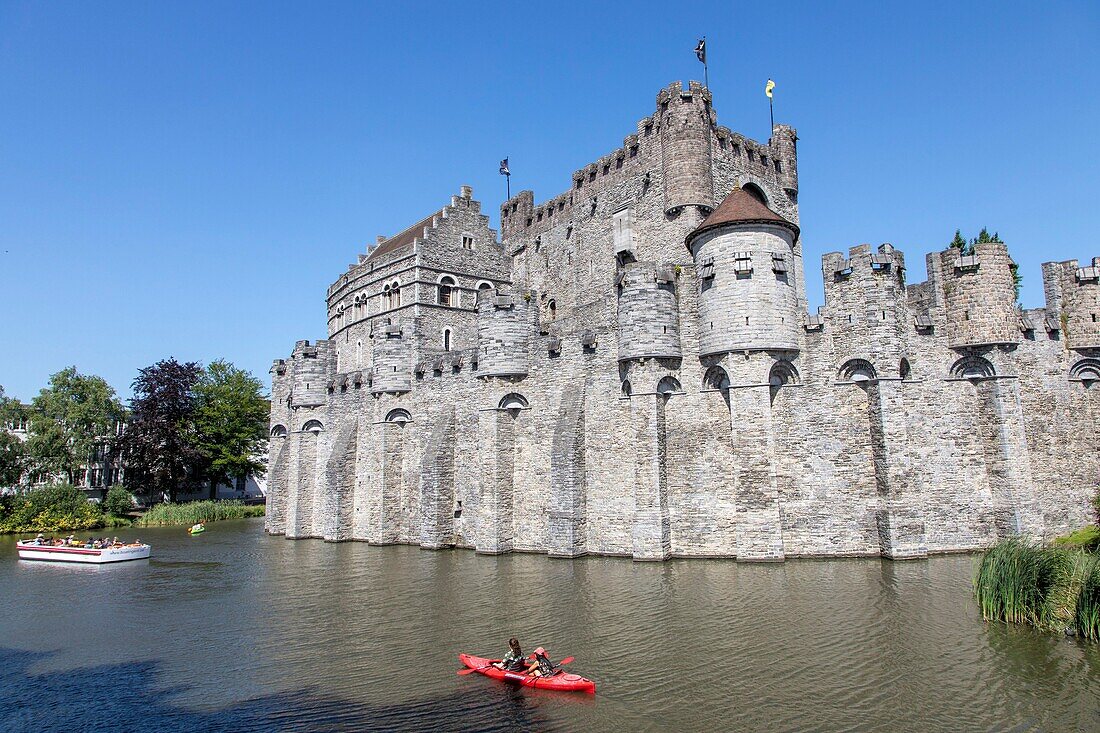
(504, 168)
(701, 50)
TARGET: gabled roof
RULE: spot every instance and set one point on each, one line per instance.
(403, 240)
(740, 207)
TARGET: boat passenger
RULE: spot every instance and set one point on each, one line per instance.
(513, 660)
(542, 666)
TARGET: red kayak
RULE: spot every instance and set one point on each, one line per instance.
(561, 680)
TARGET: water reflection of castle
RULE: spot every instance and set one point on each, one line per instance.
(632, 370)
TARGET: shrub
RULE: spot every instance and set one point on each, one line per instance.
(198, 511)
(118, 501)
(49, 509)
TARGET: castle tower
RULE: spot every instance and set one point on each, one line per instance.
(392, 363)
(310, 371)
(502, 330)
(978, 296)
(1073, 296)
(865, 300)
(745, 257)
(687, 122)
(649, 324)
(784, 142)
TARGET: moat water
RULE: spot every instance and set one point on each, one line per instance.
(237, 631)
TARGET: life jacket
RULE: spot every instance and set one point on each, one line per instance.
(545, 665)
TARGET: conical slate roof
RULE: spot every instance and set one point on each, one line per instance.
(740, 207)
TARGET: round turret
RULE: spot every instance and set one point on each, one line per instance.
(686, 130)
(649, 324)
(1073, 296)
(745, 260)
(310, 373)
(502, 330)
(979, 296)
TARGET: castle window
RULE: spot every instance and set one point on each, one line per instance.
(716, 378)
(552, 306)
(398, 416)
(606, 168)
(669, 385)
(752, 155)
(778, 167)
(633, 150)
(580, 182)
(618, 163)
(764, 160)
(592, 174)
(722, 143)
(857, 370)
(736, 149)
(513, 401)
(358, 354)
(972, 367)
(626, 388)
(313, 426)
(446, 290)
(446, 339)
(467, 241)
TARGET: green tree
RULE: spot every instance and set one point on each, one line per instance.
(158, 446)
(69, 420)
(231, 418)
(118, 501)
(960, 243)
(12, 450)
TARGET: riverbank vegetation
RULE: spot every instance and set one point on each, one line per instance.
(198, 511)
(59, 508)
(1053, 588)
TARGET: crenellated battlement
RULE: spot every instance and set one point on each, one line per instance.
(676, 147)
(1073, 295)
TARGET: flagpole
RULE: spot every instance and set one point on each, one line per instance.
(508, 184)
(771, 111)
(706, 74)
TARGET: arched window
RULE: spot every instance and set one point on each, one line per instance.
(756, 192)
(358, 354)
(1087, 370)
(857, 370)
(399, 416)
(446, 339)
(972, 367)
(313, 426)
(716, 378)
(552, 306)
(904, 371)
(395, 294)
(446, 290)
(627, 389)
(782, 373)
(279, 431)
(513, 401)
(387, 300)
(668, 385)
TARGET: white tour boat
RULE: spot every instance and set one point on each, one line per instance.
(30, 550)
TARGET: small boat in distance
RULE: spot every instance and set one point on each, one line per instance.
(197, 528)
(85, 553)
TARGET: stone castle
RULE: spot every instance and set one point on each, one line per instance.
(630, 369)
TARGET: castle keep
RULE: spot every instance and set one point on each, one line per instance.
(630, 369)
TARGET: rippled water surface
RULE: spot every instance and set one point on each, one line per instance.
(234, 630)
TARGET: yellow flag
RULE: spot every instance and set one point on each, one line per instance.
(769, 87)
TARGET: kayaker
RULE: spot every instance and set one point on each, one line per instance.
(513, 660)
(542, 666)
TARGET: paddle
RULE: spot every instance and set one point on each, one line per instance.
(471, 670)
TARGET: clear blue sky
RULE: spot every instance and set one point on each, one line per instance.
(186, 179)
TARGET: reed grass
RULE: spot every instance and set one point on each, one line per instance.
(1086, 616)
(1020, 582)
(1053, 588)
(193, 512)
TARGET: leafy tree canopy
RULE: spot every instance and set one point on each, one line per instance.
(159, 444)
(69, 419)
(231, 417)
(12, 452)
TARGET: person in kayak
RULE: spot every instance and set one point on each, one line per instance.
(514, 659)
(542, 666)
